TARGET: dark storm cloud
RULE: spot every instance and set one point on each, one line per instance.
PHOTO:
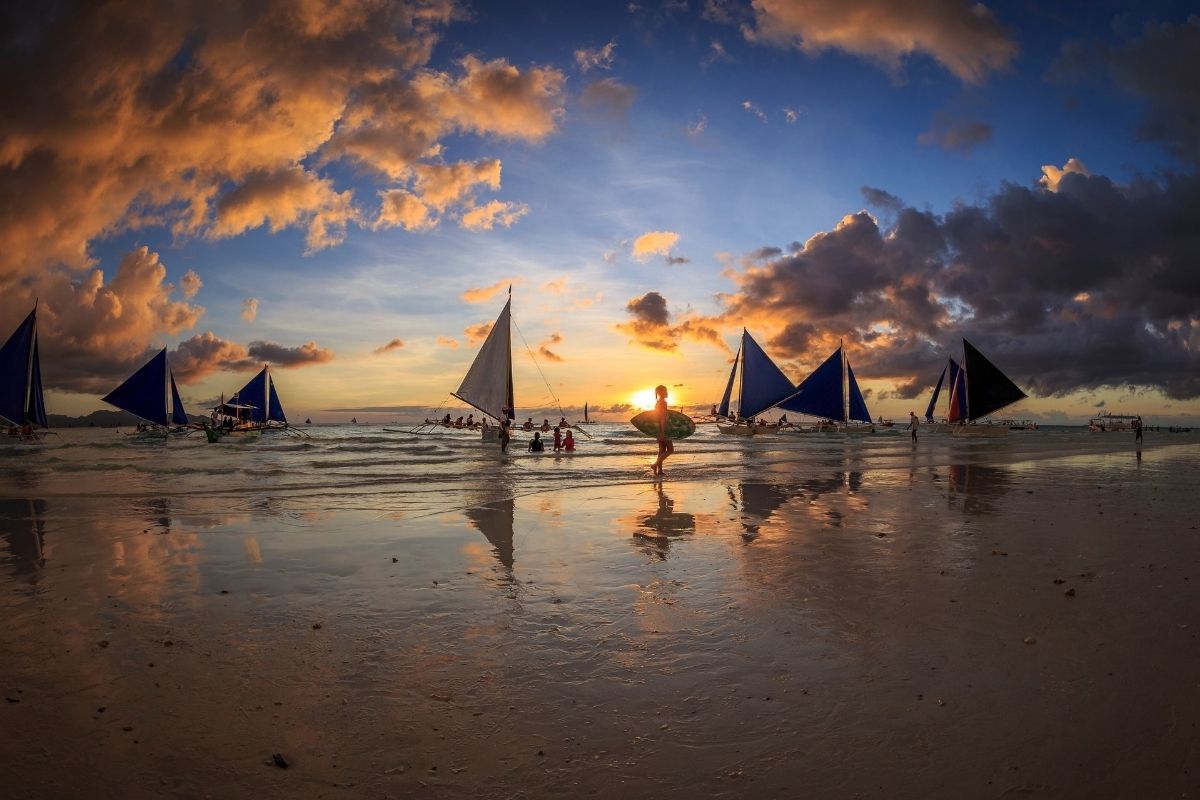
(1161, 65)
(1073, 284)
(878, 198)
(651, 325)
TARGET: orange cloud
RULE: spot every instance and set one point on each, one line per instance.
(484, 293)
(202, 128)
(963, 36)
(477, 333)
(400, 208)
(654, 243)
(446, 341)
(394, 344)
(1052, 175)
(544, 348)
(442, 184)
(491, 214)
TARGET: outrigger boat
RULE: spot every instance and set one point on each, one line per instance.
(1108, 422)
(253, 410)
(832, 395)
(762, 386)
(586, 420)
(488, 384)
(150, 394)
(22, 405)
(980, 389)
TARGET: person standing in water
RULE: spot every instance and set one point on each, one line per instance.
(1137, 428)
(665, 446)
(505, 435)
(913, 424)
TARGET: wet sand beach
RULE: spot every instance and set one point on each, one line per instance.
(933, 623)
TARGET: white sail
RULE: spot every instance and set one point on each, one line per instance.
(488, 384)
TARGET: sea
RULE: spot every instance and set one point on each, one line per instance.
(383, 468)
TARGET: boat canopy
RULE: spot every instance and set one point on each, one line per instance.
(21, 399)
(488, 384)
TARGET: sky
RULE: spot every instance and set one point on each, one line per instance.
(345, 190)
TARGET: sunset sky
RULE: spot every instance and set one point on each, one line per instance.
(346, 188)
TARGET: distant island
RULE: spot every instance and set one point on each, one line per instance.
(100, 419)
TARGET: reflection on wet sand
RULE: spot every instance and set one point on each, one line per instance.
(495, 521)
(22, 526)
(978, 487)
(655, 531)
(758, 501)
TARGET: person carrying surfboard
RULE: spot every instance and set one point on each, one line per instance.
(665, 446)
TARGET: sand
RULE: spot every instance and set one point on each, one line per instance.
(958, 631)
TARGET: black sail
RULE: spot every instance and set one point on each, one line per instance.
(988, 389)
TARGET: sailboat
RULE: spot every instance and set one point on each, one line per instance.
(586, 420)
(488, 384)
(22, 405)
(253, 409)
(762, 386)
(832, 395)
(979, 390)
(954, 372)
(150, 394)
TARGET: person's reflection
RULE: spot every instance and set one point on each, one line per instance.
(22, 526)
(655, 531)
(977, 487)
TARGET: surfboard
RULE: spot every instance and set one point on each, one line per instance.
(679, 426)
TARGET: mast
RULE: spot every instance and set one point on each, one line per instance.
(488, 384)
(29, 367)
(845, 384)
(742, 377)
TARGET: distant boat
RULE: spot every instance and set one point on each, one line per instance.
(586, 420)
(979, 390)
(488, 384)
(22, 405)
(1109, 422)
(832, 395)
(762, 386)
(354, 420)
(953, 371)
(150, 394)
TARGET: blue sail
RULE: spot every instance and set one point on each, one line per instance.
(15, 371)
(937, 390)
(178, 414)
(274, 408)
(820, 394)
(37, 403)
(144, 393)
(723, 410)
(763, 383)
(254, 394)
(858, 405)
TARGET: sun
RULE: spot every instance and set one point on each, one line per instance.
(643, 399)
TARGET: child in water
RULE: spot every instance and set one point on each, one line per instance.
(568, 444)
(537, 445)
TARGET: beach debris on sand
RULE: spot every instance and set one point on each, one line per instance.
(278, 760)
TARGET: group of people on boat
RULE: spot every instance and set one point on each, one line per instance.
(546, 427)
(24, 431)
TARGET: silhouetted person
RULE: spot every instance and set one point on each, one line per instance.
(665, 446)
